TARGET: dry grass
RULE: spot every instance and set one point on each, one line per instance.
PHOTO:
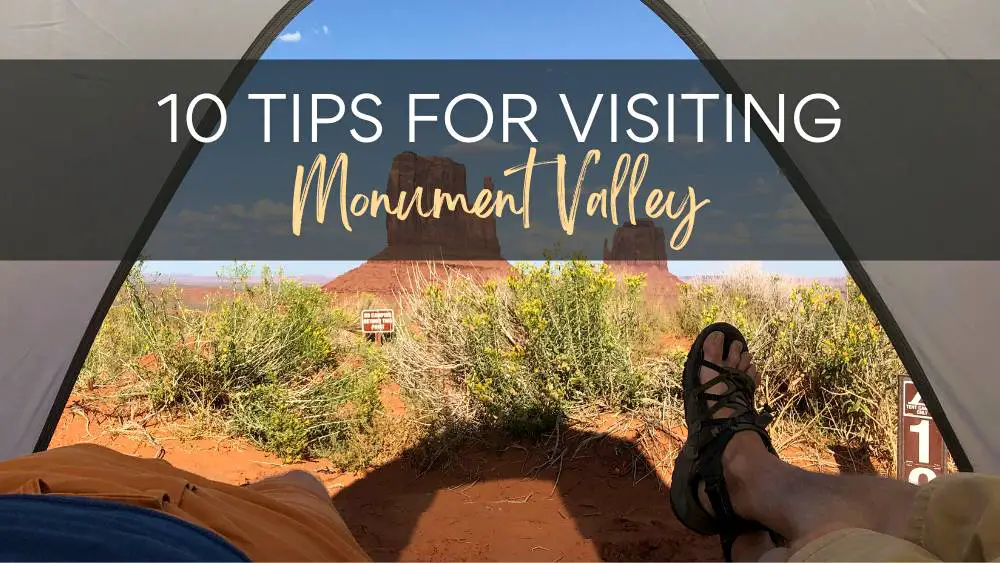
(558, 342)
(264, 361)
(282, 365)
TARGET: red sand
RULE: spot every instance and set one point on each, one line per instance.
(599, 503)
(488, 505)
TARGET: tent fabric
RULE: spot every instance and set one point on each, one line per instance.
(124, 29)
(839, 29)
(947, 311)
(49, 307)
(51, 310)
(45, 310)
(937, 313)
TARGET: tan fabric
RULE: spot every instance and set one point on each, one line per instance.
(955, 517)
(268, 521)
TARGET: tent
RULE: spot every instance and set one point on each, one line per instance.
(937, 313)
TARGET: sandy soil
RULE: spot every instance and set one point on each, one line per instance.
(604, 498)
(600, 503)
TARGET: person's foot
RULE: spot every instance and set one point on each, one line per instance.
(744, 442)
(743, 448)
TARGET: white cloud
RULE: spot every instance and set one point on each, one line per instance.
(586, 240)
(798, 233)
(291, 37)
(486, 146)
(545, 149)
(235, 216)
(794, 224)
(262, 209)
(688, 144)
(739, 235)
(793, 209)
(762, 187)
(326, 30)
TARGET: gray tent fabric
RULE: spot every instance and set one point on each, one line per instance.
(123, 29)
(936, 312)
(50, 310)
(45, 310)
(947, 312)
(838, 29)
(48, 307)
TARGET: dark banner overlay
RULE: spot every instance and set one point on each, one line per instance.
(520, 160)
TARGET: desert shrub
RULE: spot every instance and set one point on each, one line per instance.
(822, 355)
(664, 392)
(519, 352)
(329, 415)
(275, 330)
(264, 357)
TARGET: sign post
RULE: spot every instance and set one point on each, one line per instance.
(375, 323)
(922, 453)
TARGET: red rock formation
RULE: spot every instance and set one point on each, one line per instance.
(642, 249)
(454, 235)
(387, 279)
(422, 248)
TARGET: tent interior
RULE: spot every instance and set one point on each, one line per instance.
(52, 310)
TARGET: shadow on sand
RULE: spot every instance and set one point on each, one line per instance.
(853, 459)
(591, 497)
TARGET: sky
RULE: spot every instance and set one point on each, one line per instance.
(460, 29)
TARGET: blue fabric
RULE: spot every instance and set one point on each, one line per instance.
(53, 528)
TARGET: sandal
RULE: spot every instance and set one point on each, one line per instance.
(700, 460)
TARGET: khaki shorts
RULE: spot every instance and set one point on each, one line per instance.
(956, 517)
(267, 521)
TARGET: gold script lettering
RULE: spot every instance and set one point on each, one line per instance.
(323, 187)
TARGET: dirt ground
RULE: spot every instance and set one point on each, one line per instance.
(599, 501)
(487, 505)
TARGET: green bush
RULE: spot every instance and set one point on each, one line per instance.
(519, 353)
(262, 357)
(823, 357)
(324, 416)
(280, 365)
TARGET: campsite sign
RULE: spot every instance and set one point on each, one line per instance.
(377, 321)
(922, 454)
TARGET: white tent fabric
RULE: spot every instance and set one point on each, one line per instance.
(48, 307)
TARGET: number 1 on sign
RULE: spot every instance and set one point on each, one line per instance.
(923, 431)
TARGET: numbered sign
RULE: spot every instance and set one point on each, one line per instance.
(922, 453)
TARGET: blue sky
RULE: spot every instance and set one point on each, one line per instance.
(469, 29)
(462, 29)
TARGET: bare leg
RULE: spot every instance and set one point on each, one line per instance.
(797, 504)
(801, 505)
